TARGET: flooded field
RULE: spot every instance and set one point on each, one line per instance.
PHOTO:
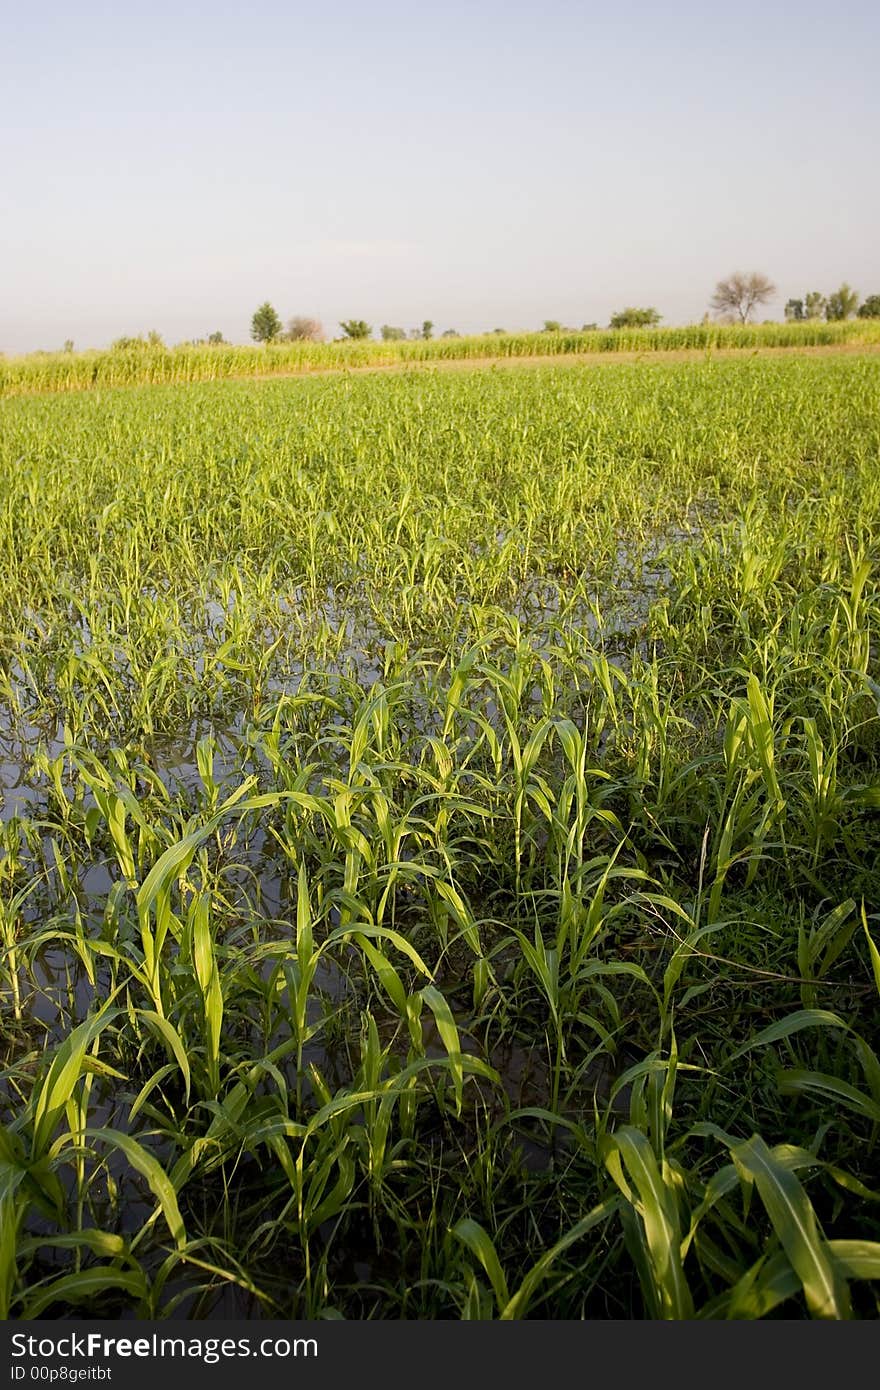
(440, 845)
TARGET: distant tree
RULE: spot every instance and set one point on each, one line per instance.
(589, 327)
(355, 328)
(392, 335)
(304, 330)
(871, 307)
(152, 339)
(265, 324)
(499, 330)
(634, 318)
(740, 293)
(216, 339)
(552, 326)
(450, 333)
(427, 329)
(842, 304)
(815, 305)
(68, 345)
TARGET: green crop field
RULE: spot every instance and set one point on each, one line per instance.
(143, 362)
(440, 845)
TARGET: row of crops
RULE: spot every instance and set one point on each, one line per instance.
(440, 845)
(145, 363)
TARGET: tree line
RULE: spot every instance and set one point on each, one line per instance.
(734, 300)
(739, 295)
(267, 327)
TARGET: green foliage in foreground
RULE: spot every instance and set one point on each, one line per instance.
(141, 363)
(441, 843)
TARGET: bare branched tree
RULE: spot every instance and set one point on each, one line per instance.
(304, 330)
(739, 294)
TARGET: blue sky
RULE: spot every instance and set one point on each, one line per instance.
(481, 164)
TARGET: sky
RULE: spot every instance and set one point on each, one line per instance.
(493, 163)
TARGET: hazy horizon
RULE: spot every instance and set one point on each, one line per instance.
(481, 165)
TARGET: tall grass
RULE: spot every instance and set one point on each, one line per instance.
(151, 365)
(440, 845)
